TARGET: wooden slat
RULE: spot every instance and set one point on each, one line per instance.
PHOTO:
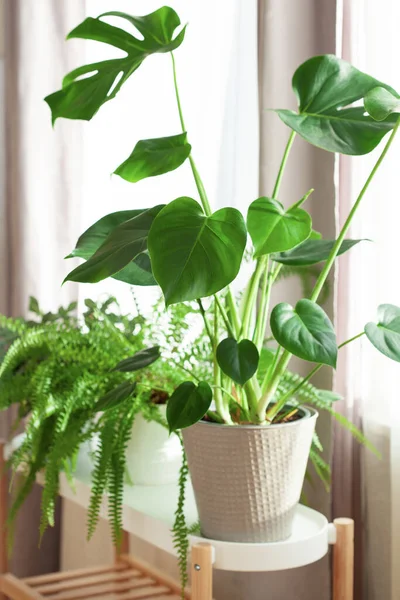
(147, 593)
(83, 582)
(52, 577)
(201, 561)
(156, 574)
(104, 589)
(343, 560)
(17, 589)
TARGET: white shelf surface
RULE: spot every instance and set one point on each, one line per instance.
(148, 513)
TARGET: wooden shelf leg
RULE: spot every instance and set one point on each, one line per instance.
(201, 565)
(343, 560)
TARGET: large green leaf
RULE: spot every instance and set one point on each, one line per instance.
(193, 255)
(188, 404)
(380, 103)
(238, 360)
(125, 242)
(312, 252)
(324, 86)
(155, 157)
(140, 360)
(385, 335)
(305, 331)
(87, 88)
(273, 229)
(138, 271)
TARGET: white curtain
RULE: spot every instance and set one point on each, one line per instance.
(369, 278)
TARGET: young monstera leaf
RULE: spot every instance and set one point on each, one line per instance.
(273, 229)
(385, 335)
(188, 404)
(305, 331)
(194, 255)
(312, 252)
(125, 242)
(138, 271)
(324, 86)
(238, 360)
(155, 157)
(380, 103)
(87, 88)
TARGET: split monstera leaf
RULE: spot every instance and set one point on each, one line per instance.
(192, 252)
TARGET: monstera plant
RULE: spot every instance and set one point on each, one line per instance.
(195, 253)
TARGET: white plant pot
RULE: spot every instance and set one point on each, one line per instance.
(153, 457)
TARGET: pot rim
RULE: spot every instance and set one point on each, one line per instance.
(309, 413)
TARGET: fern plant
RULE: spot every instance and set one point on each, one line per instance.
(74, 381)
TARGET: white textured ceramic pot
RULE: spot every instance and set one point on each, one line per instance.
(247, 480)
(153, 456)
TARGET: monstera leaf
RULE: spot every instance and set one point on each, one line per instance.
(125, 243)
(273, 229)
(380, 103)
(188, 404)
(305, 331)
(137, 272)
(312, 252)
(238, 360)
(155, 157)
(385, 335)
(194, 255)
(324, 87)
(87, 88)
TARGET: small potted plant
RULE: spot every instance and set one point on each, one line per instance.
(247, 432)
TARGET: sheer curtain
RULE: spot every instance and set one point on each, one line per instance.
(368, 278)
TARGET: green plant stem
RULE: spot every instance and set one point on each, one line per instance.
(206, 323)
(252, 297)
(224, 315)
(331, 259)
(286, 356)
(283, 165)
(275, 409)
(261, 326)
(203, 196)
(221, 406)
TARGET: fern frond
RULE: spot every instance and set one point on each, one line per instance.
(180, 529)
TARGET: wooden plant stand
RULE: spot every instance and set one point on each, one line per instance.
(144, 516)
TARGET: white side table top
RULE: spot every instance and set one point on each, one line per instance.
(149, 514)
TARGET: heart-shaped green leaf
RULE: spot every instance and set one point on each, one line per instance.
(380, 103)
(137, 272)
(188, 404)
(324, 85)
(385, 335)
(238, 360)
(140, 360)
(193, 255)
(155, 157)
(123, 244)
(87, 88)
(273, 229)
(305, 331)
(116, 396)
(312, 252)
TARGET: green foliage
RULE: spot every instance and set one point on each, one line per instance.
(311, 252)
(385, 336)
(380, 103)
(180, 530)
(61, 373)
(238, 360)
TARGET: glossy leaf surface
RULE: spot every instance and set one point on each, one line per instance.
(154, 157)
(305, 331)
(380, 103)
(312, 252)
(140, 360)
(193, 255)
(188, 404)
(272, 229)
(125, 242)
(137, 272)
(87, 88)
(324, 87)
(238, 360)
(385, 335)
